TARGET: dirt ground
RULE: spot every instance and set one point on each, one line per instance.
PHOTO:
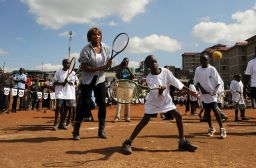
(28, 141)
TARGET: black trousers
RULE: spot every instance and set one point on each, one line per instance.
(1, 99)
(193, 105)
(14, 104)
(83, 105)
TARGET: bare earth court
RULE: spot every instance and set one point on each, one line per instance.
(27, 140)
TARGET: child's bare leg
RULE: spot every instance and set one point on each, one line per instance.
(179, 122)
(144, 121)
(217, 114)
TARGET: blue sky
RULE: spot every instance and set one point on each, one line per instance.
(33, 32)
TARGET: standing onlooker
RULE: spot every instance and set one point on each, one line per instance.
(19, 80)
(7, 84)
(94, 59)
(237, 87)
(35, 87)
(2, 79)
(208, 80)
(220, 96)
(192, 99)
(123, 72)
(250, 75)
(27, 95)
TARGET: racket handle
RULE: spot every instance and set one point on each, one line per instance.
(156, 88)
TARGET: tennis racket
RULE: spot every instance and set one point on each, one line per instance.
(229, 101)
(126, 91)
(72, 67)
(237, 99)
(119, 44)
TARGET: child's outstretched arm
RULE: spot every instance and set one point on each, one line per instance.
(192, 93)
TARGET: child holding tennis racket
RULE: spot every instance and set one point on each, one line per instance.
(65, 93)
(160, 101)
(208, 80)
(237, 87)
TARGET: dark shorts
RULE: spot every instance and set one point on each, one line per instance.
(210, 106)
(68, 103)
(167, 114)
(239, 107)
(253, 92)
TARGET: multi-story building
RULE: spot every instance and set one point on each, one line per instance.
(222, 64)
(234, 59)
(190, 61)
(237, 60)
(251, 43)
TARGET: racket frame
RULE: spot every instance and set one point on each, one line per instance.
(114, 86)
(71, 69)
(136, 97)
(113, 55)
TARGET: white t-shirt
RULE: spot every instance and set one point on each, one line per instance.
(161, 103)
(220, 94)
(68, 91)
(208, 78)
(251, 70)
(234, 87)
(192, 88)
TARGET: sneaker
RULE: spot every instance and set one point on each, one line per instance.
(211, 131)
(245, 118)
(128, 120)
(63, 126)
(237, 120)
(76, 137)
(126, 147)
(55, 127)
(224, 119)
(116, 120)
(187, 146)
(223, 133)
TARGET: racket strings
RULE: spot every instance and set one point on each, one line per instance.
(120, 42)
(124, 92)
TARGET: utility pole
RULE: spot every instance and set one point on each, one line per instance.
(3, 66)
(42, 76)
(69, 48)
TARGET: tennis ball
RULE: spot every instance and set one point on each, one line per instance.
(217, 55)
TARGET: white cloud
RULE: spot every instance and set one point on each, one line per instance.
(153, 43)
(56, 14)
(134, 64)
(67, 34)
(3, 52)
(48, 67)
(242, 28)
(52, 67)
(112, 23)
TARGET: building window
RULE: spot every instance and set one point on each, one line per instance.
(224, 68)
